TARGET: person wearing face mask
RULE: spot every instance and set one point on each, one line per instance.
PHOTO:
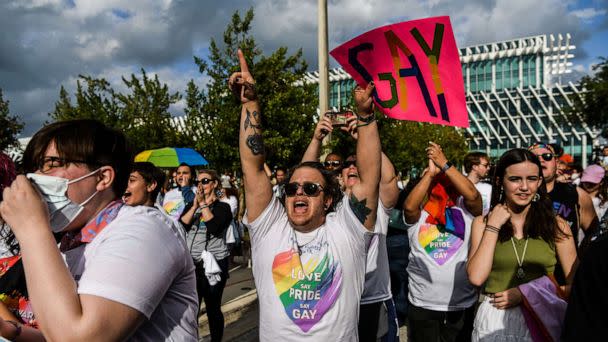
(126, 274)
(206, 222)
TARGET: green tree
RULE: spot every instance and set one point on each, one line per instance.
(593, 104)
(287, 102)
(10, 126)
(404, 142)
(94, 100)
(145, 113)
(142, 112)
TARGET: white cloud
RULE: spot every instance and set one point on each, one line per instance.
(47, 43)
(588, 14)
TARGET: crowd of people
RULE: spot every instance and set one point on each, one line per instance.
(100, 248)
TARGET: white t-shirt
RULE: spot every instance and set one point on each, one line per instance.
(437, 263)
(140, 260)
(377, 274)
(309, 284)
(174, 203)
(485, 190)
(233, 202)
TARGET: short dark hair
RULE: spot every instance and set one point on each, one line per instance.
(150, 174)
(188, 166)
(472, 159)
(84, 139)
(331, 187)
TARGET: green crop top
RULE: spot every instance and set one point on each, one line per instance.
(540, 260)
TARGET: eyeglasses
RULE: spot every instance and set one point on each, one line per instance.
(349, 163)
(484, 165)
(332, 163)
(310, 189)
(203, 181)
(48, 163)
(546, 156)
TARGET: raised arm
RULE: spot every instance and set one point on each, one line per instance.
(389, 191)
(323, 128)
(472, 198)
(364, 195)
(258, 190)
(413, 202)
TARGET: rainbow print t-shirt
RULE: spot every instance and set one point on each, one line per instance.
(309, 284)
(437, 265)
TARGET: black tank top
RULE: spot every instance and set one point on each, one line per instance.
(565, 204)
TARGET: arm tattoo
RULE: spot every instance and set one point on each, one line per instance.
(255, 144)
(248, 122)
(359, 208)
(254, 141)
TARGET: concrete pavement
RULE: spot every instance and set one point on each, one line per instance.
(240, 308)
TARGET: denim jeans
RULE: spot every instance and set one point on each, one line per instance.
(398, 246)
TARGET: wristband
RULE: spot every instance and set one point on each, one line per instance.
(446, 166)
(17, 329)
(204, 206)
(366, 120)
(492, 229)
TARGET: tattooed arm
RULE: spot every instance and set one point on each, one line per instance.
(258, 190)
(364, 195)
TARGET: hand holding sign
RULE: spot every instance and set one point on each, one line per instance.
(415, 68)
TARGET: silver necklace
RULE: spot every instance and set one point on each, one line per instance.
(520, 270)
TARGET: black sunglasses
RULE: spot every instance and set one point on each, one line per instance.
(203, 181)
(546, 156)
(349, 163)
(310, 189)
(332, 163)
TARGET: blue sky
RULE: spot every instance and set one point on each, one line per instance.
(47, 43)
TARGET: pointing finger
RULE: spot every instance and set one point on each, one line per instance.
(242, 62)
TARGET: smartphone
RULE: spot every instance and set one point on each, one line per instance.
(338, 119)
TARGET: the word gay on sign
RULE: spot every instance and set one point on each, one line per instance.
(415, 67)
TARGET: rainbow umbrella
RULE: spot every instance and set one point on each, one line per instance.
(171, 157)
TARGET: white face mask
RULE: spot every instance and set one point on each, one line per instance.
(54, 191)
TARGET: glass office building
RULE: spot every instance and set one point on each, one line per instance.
(515, 95)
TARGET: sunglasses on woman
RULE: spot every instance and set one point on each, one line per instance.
(546, 156)
(203, 181)
(310, 189)
(349, 163)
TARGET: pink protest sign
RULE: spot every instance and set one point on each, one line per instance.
(415, 67)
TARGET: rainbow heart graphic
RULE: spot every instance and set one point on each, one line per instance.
(306, 292)
(441, 242)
